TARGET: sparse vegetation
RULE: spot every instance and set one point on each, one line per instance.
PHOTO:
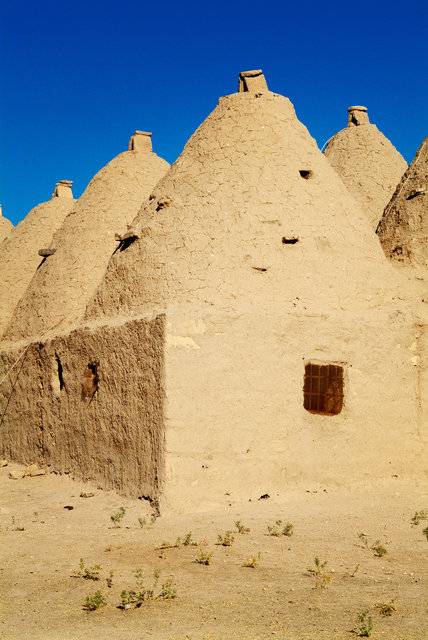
(204, 558)
(352, 575)
(252, 562)
(321, 578)
(117, 518)
(240, 527)
(280, 529)
(418, 516)
(87, 573)
(377, 547)
(143, 522)
(95, 601)
(385, 608)
(109, 580)
(425, 532)
(365, 625)
(226, 540)
(186, 541)
(134, 598)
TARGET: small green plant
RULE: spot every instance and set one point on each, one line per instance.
(118, 517)
(168, 590)
(425, 532)
(188, 541)
(226, 540)
(252, 562)
(87, 573)
(385, 608)
(379, 549)
(94, 601)
(109, 580)
(352, 575)
(240, 527)
(365, 625)
(143, 522)
(19, 529)
(321, 578)
(204, 558)
(418, 516)
(134, 598)
(280, 529)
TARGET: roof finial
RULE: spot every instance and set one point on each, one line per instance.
(253, 81)
(63, 189)
(357, 116)
(141, 141)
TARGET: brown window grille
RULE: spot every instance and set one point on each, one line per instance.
(323, 389)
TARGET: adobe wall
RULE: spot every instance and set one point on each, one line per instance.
(102, 423)
(235, 420)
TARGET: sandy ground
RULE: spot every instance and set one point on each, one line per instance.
(42, 600)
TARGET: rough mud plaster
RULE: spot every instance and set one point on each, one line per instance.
(403, 229)
(369, 165)
(5, 226)
(234, 414)
(245, 310)
(114, 437)
(62, 287)
(19, 258)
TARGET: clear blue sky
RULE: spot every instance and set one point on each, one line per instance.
(78, 78)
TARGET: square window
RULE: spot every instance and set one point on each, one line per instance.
(323, 389)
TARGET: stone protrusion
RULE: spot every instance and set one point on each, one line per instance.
(63, 189)
(252, 81)
(357, 116)
(141, 141)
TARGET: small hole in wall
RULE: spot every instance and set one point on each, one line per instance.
(90, 381)
(306, 173)
(289, 240)
(60, 372)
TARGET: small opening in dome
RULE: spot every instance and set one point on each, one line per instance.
(90, 380)
(305, 173)
(289, 240)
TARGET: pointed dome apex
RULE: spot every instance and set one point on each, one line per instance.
(63, 189)
(141, 141)
(252, 81)
(357, 116)
(369, 165)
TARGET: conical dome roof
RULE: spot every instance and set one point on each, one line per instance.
(369, 165)
(20, 257)
(251, 213)
(403, 229)
(83, 245)
(5, 226)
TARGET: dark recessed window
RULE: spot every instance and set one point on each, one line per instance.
(323, 389)
(306, 173)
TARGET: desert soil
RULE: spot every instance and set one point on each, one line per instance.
(42, 599)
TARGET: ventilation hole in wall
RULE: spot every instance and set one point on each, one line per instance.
(60, 372)
(127, 243)
(90, 380)
(260, 268)
(306, 173)
(323, 389)
(415, 193)
(289, 240)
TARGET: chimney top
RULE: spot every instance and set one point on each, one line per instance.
(140, 141)
(357, 116)
(63, 189)
(252, 81)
